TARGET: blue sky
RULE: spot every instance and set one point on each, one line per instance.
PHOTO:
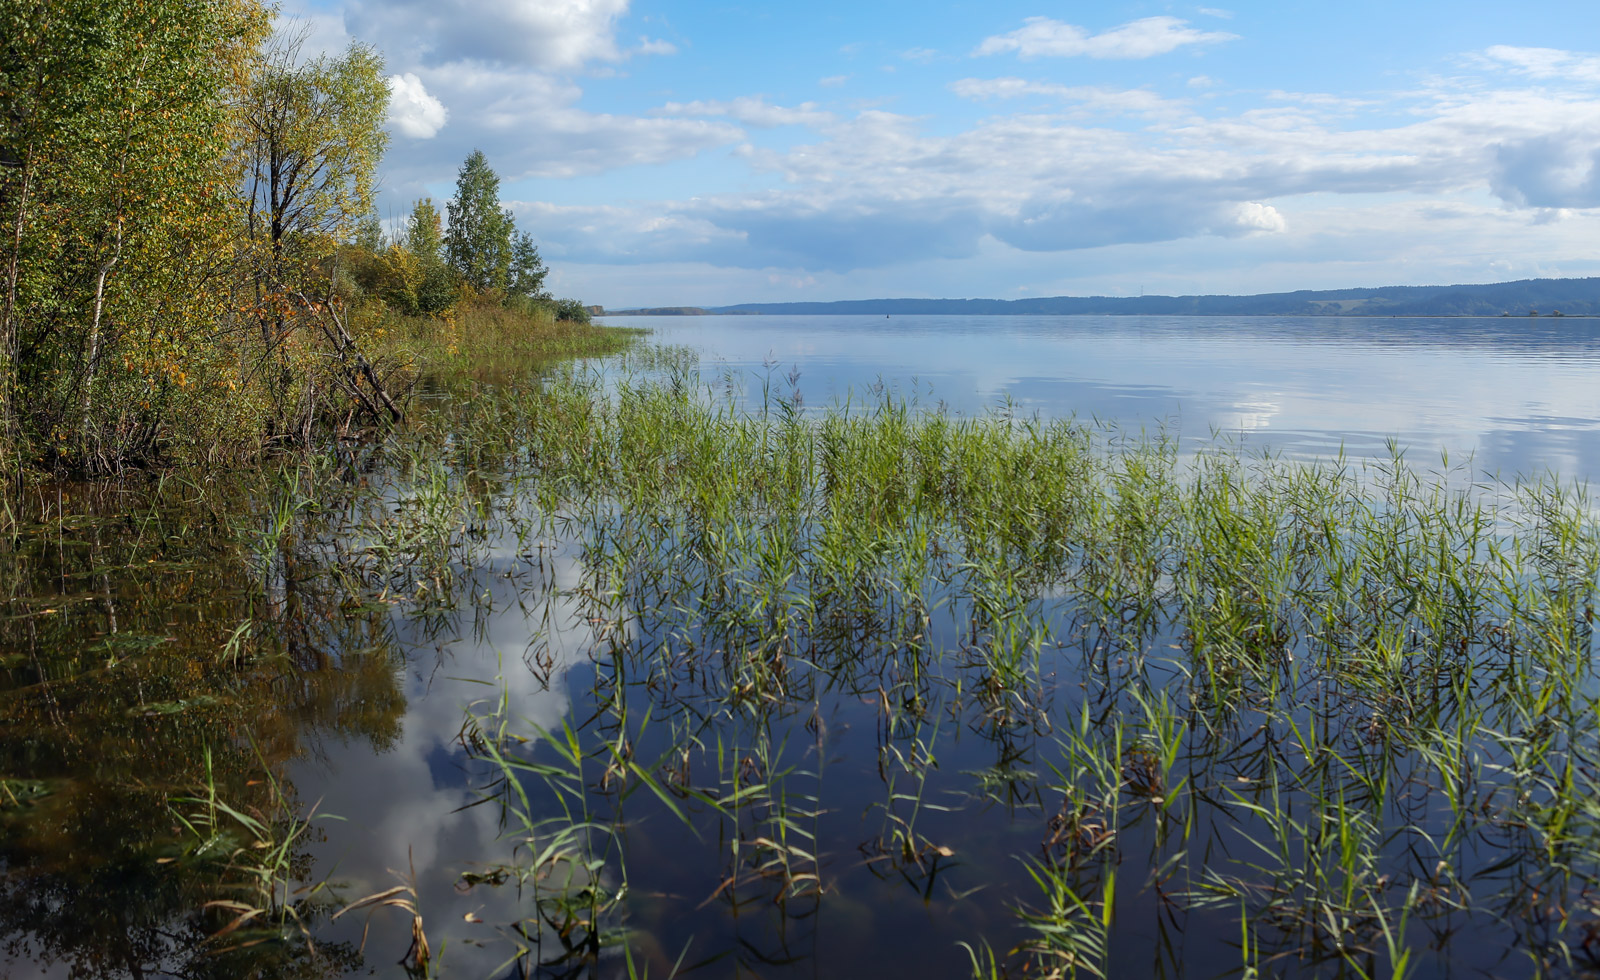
(671, 153)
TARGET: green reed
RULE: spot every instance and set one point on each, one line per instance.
(1344, 709)
(1305, 647)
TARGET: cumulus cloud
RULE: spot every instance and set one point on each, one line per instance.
(1044, 37)
(880, 188)
(1252, 216)
(412, 110)
(1556, 170)
(531, 124)
(878, 192)
(1072, 167)
(508, 71)
(547, 35)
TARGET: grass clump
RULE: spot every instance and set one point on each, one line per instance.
(898, 679)
(1303, 696)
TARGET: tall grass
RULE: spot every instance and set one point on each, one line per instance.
(1308, 717)
(1344, 678)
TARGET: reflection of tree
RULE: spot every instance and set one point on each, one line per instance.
(131, 919)
(118, 677)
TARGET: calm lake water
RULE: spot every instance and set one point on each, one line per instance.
(360, 704)
(1519, 395)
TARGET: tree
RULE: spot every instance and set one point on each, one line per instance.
(368, 233)
(478, 244)
(315, 137)
(435, 290)
(527, 269)
(117, 187)
(424, 233)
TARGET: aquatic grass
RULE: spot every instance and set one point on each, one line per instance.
(1279, 579)
(261, 868)
(1322, 716)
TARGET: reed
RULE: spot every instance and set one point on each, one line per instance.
(1309, 716)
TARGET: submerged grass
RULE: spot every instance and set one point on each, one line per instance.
(1335, 701)
(1095, 705)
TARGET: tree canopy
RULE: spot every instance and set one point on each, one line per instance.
(478, 242)
(188, 239)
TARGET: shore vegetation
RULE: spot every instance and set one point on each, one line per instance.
(191, 268)
(1074, 699)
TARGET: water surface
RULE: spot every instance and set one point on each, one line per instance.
(359, 684)
(1520, 395)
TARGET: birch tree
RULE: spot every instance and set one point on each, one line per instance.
(315, 136)
(117, 191)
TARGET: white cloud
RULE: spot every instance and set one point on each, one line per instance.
(507, 70)
(1043, 37)
(546, 35)
(1550, 171)
(752, 110)
(1253, 216)
(1094, 97)
(655, 46)
(530, 124)
(1547, 63)
(624, 234)
(1072, 167)
(882, 189)
(412, 110)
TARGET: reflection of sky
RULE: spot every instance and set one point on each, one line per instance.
(1521, 401)
(409, 807)
(1521, 396)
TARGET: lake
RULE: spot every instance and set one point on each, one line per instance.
(619, 695)
(1519, 395)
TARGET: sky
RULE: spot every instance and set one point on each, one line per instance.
(667, 153)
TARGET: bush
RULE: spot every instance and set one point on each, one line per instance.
(438, 289)
(571, 311)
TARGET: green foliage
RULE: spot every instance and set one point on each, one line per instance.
(478, 244)
(189, 259)
(369, 233)
(572, 311)
(438, 288)
(437, 284)
(116, 191)
(527, 269)
(424, 232)
(314, 136)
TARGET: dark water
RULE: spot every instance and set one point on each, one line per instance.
(1518, 395)
(363, 707)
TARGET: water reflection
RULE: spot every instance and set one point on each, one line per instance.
(517, 640)
(1521, 395)
(861, 743)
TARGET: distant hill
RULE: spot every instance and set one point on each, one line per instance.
(1571, 297)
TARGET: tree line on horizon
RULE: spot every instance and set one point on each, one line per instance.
(1525, 297)
(190, 262)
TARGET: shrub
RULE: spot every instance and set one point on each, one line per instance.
(571, 311)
